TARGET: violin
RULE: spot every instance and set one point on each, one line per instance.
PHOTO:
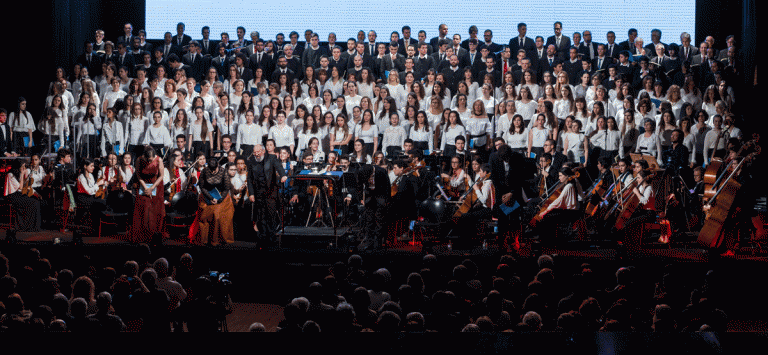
(411, 169)
(27, 187)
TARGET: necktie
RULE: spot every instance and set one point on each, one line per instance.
(505, 68)
(258, 58)
(599, 63)
(550, 62)
(521, 43)
(558, 42)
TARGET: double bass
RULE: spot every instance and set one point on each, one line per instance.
(719, 207)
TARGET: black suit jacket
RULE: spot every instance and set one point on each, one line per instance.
(626, 46)
(562, 50)
(273, 171)
(184, 40)
(387, 64)
(452, 78)
(606, 62)
(211, 49)
(276, 75)
(612, 52)
(173, 49)
(295, 64)
(198, 67)
(514, 45)
(222, 66)
(94, 66)
(496, 77)
(403, 47)
(423, 65)
(127, 62)
(265, 64)
(6, 145)
(584, 49)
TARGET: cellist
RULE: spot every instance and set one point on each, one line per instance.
(644, 213)
(564, 209)
(484, 200)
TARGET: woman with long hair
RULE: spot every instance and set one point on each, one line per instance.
(453, 128)
(516, 136)
(340, 135)
(359, 155)
(149, 208)
(22, 126)
(537, 135)
(368, 133)
(112, 134)
(200, 136)
(27, 208)
(525, 104)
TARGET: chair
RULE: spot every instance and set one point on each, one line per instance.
(182, 210)
(119, 211)
(7, 214)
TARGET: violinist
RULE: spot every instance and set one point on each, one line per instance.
(402, 206)
(333, 161)
(181, 145)
(644, 213)
(27, 208)
(564, 209)
(456, 182)
(546, 177)
(302, 189)
(36, 172)
(193, 177)
(174, 175)
(126, 167)
(86, 199)
(110, 172)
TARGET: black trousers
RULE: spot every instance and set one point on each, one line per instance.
(266, 214)
(372, 221)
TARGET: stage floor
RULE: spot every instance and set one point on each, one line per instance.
(318, 241)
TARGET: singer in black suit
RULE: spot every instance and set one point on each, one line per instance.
(6, 145)
(265, 174)
(561, 49)
(374, 193)
(527, 43)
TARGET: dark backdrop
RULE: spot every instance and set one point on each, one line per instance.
(53, 35)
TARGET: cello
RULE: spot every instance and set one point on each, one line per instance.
(552, 195)
(469, 198)
(719, 207)
(629, 204)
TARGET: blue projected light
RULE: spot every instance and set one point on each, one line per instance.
(346, 18)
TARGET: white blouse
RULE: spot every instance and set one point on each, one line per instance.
(517, 141)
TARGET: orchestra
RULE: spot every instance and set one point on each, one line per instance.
(517, 165)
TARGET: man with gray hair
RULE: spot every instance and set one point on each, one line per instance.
(265, 174)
